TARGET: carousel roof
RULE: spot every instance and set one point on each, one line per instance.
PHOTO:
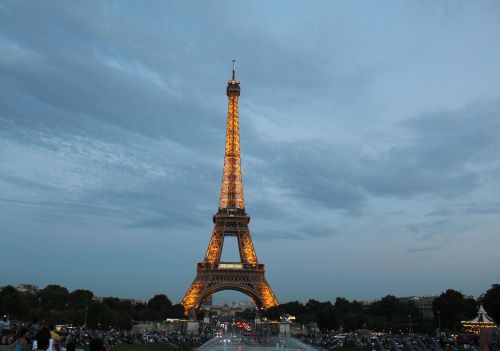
(482, 317)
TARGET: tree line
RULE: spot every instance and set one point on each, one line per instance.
(390, 314)
(55, 304)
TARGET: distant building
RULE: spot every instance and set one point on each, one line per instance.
(208, 302)
(225, 311)
(134, 301)
(27, 288)
(229, 310)
(368, 303)
(243, 304)
(423, 303)
(24, 288)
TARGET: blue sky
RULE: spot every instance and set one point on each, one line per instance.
(369, 135)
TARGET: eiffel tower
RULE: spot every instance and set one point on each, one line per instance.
(247, 275)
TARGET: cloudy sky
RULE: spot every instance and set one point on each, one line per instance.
(370, 136)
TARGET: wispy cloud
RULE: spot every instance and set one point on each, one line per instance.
(428, 230)
(349, 124)
(423, 249)
(483, 208)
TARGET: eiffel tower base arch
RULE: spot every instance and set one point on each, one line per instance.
(248, 280)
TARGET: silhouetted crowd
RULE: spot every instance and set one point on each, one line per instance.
(39, 337)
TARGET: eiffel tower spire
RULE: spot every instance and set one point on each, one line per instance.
(231, 194)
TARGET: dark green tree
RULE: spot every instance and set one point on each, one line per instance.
(274, 313)
(327, 319)
(248, 314)
(354, 320)
(351, 314)
(313, 308)
(117, 304)
(162, 305)
(159, 302)
(123, 319)
(388, 306)
(177, 311)
(453, 307)
(99, 315)
(81, 298)
(391, 314)
(491, 302)
(342, 305)
(54, 297)
(293, 308)
(148, 314)
(13, 303)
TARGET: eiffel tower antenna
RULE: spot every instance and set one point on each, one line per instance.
(246, 275)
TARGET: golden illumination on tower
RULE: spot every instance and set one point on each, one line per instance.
(214, 250)
(247, 274)
(247, 253)
(268, 298)
(191, 299)
(231, 194)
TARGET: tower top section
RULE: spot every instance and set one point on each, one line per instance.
(231, 194)
(233, 86)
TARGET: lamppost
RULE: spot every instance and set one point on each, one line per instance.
(409, 316)
(439, 321)
(86, 310)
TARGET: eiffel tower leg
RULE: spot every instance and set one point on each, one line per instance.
(215, 246)
(247, 251)
(266, 293)
(192, 299)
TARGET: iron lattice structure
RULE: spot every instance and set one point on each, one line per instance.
(247, 275)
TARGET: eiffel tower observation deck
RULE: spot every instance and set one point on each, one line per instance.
(246, 275)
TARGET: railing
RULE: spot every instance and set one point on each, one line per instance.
(231, 266)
